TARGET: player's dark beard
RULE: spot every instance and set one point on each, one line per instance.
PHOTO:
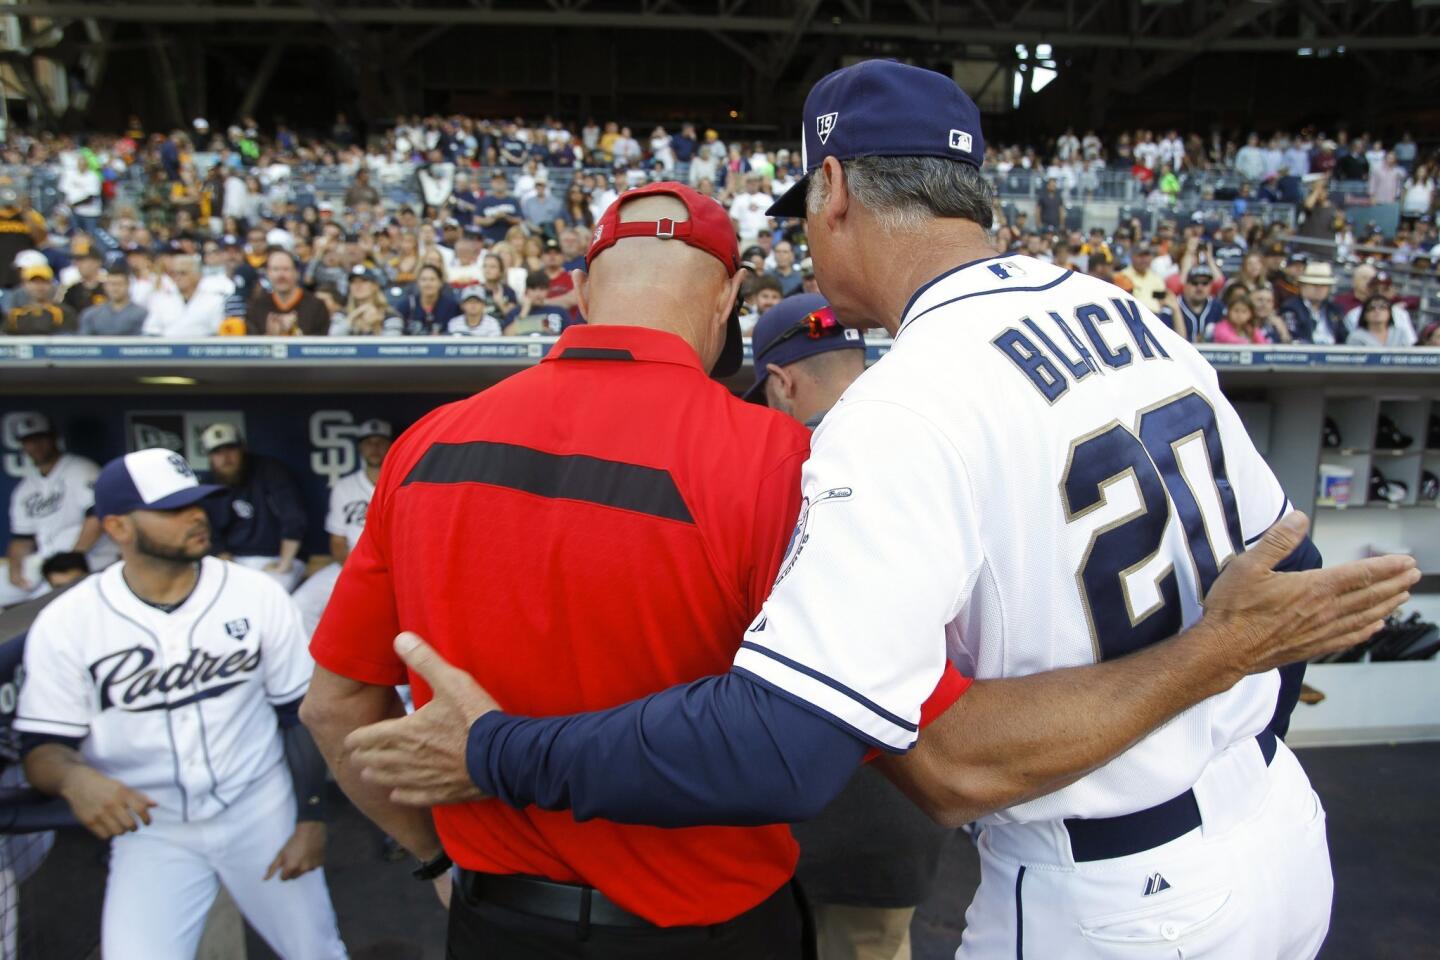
(171, 554)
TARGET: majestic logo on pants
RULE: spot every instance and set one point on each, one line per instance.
(1154, 884)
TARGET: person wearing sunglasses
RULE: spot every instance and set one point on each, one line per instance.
(804, 358)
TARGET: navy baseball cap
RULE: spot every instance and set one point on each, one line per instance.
(881, 108)
(787, 334)
(154, 479)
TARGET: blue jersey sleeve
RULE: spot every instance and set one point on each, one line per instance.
(722, 751)
(1305, 557)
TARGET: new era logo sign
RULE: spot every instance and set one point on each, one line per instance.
(1154, 884)
(960, 140)
(824, 124)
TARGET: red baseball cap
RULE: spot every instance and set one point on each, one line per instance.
(708, 229)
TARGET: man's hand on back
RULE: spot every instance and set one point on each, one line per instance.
(421, 757)
(1268, 619)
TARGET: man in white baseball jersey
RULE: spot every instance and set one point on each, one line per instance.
(349, 499)
(1039, 482)
(49, 512)
(161, 701)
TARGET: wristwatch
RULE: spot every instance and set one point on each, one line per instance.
(432, 868)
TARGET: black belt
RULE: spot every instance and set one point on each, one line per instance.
(546, 898)
(1145, 829)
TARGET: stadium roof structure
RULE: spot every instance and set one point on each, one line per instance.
(784, 43)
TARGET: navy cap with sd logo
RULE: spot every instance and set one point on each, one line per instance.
(881, 108)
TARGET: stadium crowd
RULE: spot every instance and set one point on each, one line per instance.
(466, 227)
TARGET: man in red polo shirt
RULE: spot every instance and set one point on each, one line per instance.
(619, 498)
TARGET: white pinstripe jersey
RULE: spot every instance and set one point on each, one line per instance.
(177, 705)
(1039, 474)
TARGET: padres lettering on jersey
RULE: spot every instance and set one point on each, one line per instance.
(178, 705)
(1048, 475)
(349, 501)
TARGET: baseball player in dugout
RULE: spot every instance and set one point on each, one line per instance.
(349, 502)
(49, 512)
(161, 702)
(870, 859)
(1036, 485)
(258, 520)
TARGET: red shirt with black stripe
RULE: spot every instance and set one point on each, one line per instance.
(554, 536)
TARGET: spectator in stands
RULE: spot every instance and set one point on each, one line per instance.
(468, 268)
(259, 520)
(366, 313)
(1311, 316)
(1430, 335)
(1050, 206)
(1318, 211)
(1385, 180)
(1251, 275)
(747, 210)
(1147, 285)
(543, 211)
(785, 270)
(1377, 327)
(765, 292)
(1226, 245)
(1250, 159)
(1362, 288)
(1238, 325)
(183, 308)
(87, 289)
(501, 297)
(1195, 312)
(32, 311)
(572, 247)
(705, 166)
(534, 315)
(115, 315)
(1420, 196)
(429, 310)
(1370, 284)
(500, 211)
(473, 321)
(288, 309)
(560, 291)
(361, 195)
(1262, 304)
(577, 209)
(1286, 281)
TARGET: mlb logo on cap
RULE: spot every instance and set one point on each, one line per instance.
(881, 108)
(154, 479)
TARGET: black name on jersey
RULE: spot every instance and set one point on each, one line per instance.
(1052, 369)
(127, 680)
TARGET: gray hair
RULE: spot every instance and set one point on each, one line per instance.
(904, 192)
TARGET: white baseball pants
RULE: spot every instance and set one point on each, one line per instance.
(164, 878)
(1254, 881)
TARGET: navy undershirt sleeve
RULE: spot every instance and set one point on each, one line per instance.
(1305, 557)
(722, 751)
